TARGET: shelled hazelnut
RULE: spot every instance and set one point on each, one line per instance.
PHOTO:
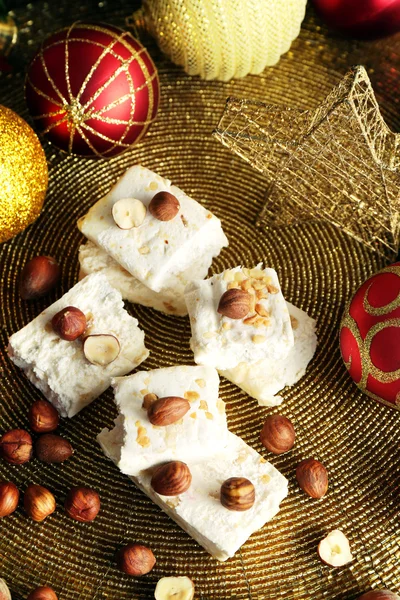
(16, 446)
(135, 559)
(9, 498)
(43, 417)
(39, 502)
(334, 549)
(82, 504)
(4, 591)
(174, 588)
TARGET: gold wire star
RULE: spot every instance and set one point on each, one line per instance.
(338, 163)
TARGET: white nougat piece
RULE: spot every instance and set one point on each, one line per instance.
(59, 367)
(158, 250)
(223, 342)
(200, 433)
(263, 380)
(212, 453)
(171, 300)
(199, 511)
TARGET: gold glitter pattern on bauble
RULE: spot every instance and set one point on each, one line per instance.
(23, 174)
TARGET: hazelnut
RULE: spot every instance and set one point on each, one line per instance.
(312, 477)
(237, 493)
(16, 446)
(234, 304)
(171, 479)
(128, 213)
(174, 588)
(164, 206)
(38, 277)
(135, 559)
(334, 549)
(82, 504)
(101, 349)
(9, 497)
(50, 448)
(4, 591)
(167, 410)
(69, 323)
(379, 595)
(43, 417)
(277, 434)
(39, 502)
(43, 593)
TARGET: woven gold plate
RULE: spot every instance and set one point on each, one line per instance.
(357, 439)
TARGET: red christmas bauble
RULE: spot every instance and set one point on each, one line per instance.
(370, 336)
(92, 89)
(361, 18)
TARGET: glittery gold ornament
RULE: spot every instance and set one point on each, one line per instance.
(23, 174)
(221, 39)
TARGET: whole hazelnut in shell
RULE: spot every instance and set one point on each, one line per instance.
(277, 434)
(135, 559)
(39, 502)
(82, 504)
(4, 591)
(312, 477)
(16, 446)
(379, 595)
(9, 498)
(43, 593)
(38, 277)
(43, 417)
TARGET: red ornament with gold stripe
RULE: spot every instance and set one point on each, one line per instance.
(92, 89)
(370, 336)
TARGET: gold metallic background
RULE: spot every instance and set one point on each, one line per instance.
(357, 439)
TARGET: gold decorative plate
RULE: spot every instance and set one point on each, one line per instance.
(319, 267)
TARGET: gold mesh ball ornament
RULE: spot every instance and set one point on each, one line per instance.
(223, 39)
(23, 174)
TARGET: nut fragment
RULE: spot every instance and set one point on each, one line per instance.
(4, 591)
(148, 400)
(43, 417)
(101, 349)
(69, 323)
(334, 549)
(312, 477)
(167, 410)
(171, 479)
(261, 310)
(50, 448)
(174, 588)
(135, 559)
(9, 497)
(39, 502)
(16, 446)
(42, 593)
(234, 304)
(82, 504)
(237, 493)
(38, 277)
(379, 595)
(164, 206)
(128, 213)
(277, 434)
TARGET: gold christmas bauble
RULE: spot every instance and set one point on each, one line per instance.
(222, 39)
(23, 174)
